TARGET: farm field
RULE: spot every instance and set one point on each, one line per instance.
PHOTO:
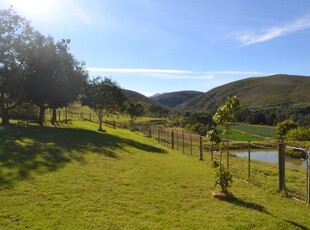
(73, 177)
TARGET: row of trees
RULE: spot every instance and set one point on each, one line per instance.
(274, 116)
(37, 71)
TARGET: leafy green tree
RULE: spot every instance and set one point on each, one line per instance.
(135, 110)
(70, 76)
(15, 35)
(54, 77)
(284, 127)
(104, 97)
(226, 113)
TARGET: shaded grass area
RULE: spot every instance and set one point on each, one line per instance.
(24, 150)
(122, 180)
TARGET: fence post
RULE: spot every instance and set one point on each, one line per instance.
(227, 154)
(158, 135)
(281, 155)
(66, 111)
(183, 141)
(190, 141)
(249, 161)
(308, 178)
(172, 139)
(59, 115)
(113, 124)
(212, 150)
(200, 148)
(177, 141)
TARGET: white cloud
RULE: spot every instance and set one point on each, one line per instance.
(168, 71)
(233, 72)
(271, 33)
(85, 18)
(171, 74)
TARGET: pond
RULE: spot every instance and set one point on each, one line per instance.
(271, 156)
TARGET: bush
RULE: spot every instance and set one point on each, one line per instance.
(299, 134)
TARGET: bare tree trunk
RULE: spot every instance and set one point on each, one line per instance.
(5, 115)
(54, 116)
(100, 121)
(41, 115)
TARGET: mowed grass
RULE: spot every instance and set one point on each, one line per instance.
(74, 177)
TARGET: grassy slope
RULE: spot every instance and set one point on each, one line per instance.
(258, 92)
(77, 178)
(175, 98)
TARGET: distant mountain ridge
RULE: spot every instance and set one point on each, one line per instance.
(174, 99)
(256, 93)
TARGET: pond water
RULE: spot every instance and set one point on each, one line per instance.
(270, 156)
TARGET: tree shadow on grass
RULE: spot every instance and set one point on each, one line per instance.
(241, 203)
(24, 150)
(262, 209)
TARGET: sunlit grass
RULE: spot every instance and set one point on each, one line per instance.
(74, 177)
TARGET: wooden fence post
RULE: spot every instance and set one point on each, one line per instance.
(200, 148)
(191, 145)
(212, 151)
(158, 135)
(281, 155)
(172, 139)
(183, 141)
(227, 155)
(308, 179)
(249, 160)
(177, 141)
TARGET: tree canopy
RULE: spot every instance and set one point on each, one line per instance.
(104, 97)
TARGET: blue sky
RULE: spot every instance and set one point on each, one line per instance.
(155, 46)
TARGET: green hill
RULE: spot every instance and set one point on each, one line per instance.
(135, 96)
(274, 91)
(175, 98)
(154, 109)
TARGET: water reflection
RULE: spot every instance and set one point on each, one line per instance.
(271, 156)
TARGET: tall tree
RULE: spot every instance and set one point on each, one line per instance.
(55, 78)
(70, 76)
(15, 36)
(104, 97)
(135, 110)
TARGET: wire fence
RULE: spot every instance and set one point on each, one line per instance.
(262, 174)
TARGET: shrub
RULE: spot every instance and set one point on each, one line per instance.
(299, 134)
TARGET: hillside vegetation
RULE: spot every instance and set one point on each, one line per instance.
(73, 177)
(256, 93)
(174, 99)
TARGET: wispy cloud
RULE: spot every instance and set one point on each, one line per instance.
(84, 17)
(274, 32)
(226, 72)
(169, 74)
(168, 71)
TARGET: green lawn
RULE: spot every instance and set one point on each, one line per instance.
(74, 177)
